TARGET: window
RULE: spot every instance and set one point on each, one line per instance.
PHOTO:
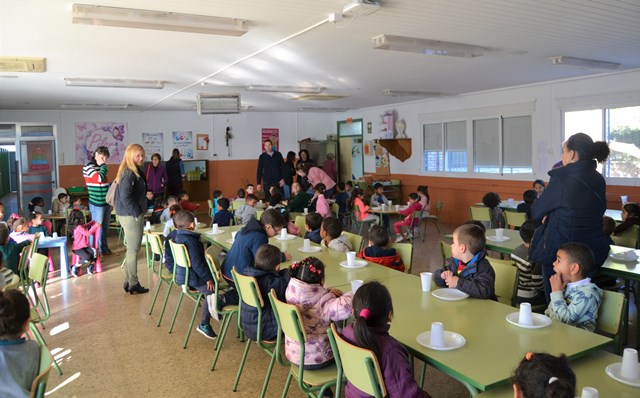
(445, 147)
(619, 127)
(486, 146)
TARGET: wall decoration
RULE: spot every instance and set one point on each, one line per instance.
(367, 148)
(153, 143)
(382, 159)
(90, 135)
(183, 141)
(369, 127)
(202, 142)
(273, 135)
(39, 156)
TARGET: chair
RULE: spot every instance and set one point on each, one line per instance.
(155, 249)
(227, 312)
(249, 294)
(406, 254)
(480, 213)
(313, 383)
(39, 384)
(13, 283)
(610, 316)
(335, 209)
(414, 229)
(166, 277)
(259, 214)
(114, 225)
(506, 280)
(514, 219)
(23, 270)
(357, 223)
(301, 223)
(356, 241)
(628, 238)
(181, 259)
(432, 217)
(445, 249)
(359, 365)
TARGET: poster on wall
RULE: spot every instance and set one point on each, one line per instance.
(272, 135)
(202, 142)
(183, 141)
(382, 159)
(152, 143)
(39, 156)
(90, 135)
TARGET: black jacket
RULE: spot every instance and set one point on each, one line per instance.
(288, 172)
(478, 279)
(199, 274)
(270, 169)
(131, 194)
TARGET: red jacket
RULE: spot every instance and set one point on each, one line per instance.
(186, 205)
(408, 213)
(386, 257)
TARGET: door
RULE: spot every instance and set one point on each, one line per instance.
(350, 150)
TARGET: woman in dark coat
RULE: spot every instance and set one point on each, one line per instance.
(572, 205)
(304, 159)
(288, 172)
(175, 172)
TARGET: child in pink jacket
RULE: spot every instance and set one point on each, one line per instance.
(414, 205)
(319, 306)
(81, 248)
(322, 206)
(363, 210)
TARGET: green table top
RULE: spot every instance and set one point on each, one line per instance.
(493, 346)
(506, 247)
(589, 373)
(623, 269)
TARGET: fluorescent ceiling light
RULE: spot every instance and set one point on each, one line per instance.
(23, 64)
(285, 89)
(158, 20)
(361, 7)
(209, 104)
(584, 63)
(320, 109)
(112, 83)
(425, 46)
(318, 97)
(409, 93)
(96, 106)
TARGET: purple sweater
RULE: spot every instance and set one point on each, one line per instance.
(395, 366)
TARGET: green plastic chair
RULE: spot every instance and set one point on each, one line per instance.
(480, 213)
(227, 312)
(355, 239)
(114, 225)
(406, 254)
(181, 259)
(506, 280)
(39, 384)
(335, 209)
(514, 219)
(432, 217)
(259, 214)
(356, 223)
(249, 293)
(628, 238)
(23, 271)
(312, 382)
(445, 249)
(13, 283)
(166, 277)
(611, 316)
(360, 366)
(155, 249)
(301, 223)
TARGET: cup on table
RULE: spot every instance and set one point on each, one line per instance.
(283, 233)
(390, 203)
(260, 202)
(355, 284)
(589, 392)
(437, 335)
(214, 228)
(426, 278)
(233, 235)
(624, 199)
(147, 225)
(525, 317)
(511, 201)
(397, 207)
(195, 221)
(54, 235)
(306, 246)
(351, 259)
(499, 233)
(50, 212)
(306, 210)
(630, 366)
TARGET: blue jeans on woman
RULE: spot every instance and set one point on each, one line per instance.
(102, 215)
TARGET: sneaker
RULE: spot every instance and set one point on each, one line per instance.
(399, 238)
(207, 331)
(74, 270)
(95, 252)
(90, 269)
(215, 314)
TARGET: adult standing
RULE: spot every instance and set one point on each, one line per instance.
(156, 176)
(131, 204)
(270, 165)
(175, 173)
(95, 176)
(304, 159)
(330, 167)
(288, 172)
(572, 205)
(316, 175)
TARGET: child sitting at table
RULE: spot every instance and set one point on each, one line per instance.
(36, 204)
(538, 186)
(492, 201)
(541, 375)
(425, 200)
(312, 223)
(158, 208)
(574, 298)
(331, 234)
(276, 201)
(319, 306)
(358, 206)
(321, 204)
(20, 358)
(185, 204)
(36, 226)
(468, 270)
(378, 198)
(348, 188)
(60, 204)
(241, 194)
(165, 216)
(247, 211)
(217, 194)
(10, 250)
(150, 200)
(81, 247)
(529, 196)
(20, 230)
(299, 200)
(414, 205)
(378, 250)
(291, 227)
(250, 189)
(169, 225)
(530, 289)
(608, 226)
(223, 217)
(341, 198)
(630, 216)
(373, 311)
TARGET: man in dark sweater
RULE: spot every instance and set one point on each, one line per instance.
(270, 165)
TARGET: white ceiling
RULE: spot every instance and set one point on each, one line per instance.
(337, 56)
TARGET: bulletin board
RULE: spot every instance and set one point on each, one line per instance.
(382, 159)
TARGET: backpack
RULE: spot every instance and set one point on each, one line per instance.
(76, 217)
(111, 194)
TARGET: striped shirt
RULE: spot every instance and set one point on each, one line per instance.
(529, 274)
(96, 179)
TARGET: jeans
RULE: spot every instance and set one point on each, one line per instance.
(206, 315)
(102, 215)
(133, 239)
(287, 191)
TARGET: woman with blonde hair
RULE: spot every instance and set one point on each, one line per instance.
(131, 205)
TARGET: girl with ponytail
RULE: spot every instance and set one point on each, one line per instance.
(542, 375)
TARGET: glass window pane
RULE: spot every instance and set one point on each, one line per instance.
(624, 142)
(486, 148)
(456, 146)
(588, 122)
(432, 159)
(517, 143)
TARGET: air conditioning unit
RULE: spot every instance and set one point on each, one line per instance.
(361, 7)
(212, 104)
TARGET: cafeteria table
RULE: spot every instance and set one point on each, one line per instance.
(505, 247)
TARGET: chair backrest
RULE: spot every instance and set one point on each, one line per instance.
(301, 224)
(34, 244)
(13, 283)
(355, 239)
(180, 259)
(445, 249)
(514, 219)
(24, 262)
(610, 313)
(406, 254)
(415, 218)
(38, 268)
(248, 290)
(628, 238)
(210, 204)
(212, 254)
(290, 321)
(480, 213)
(155, 242)
(39, 384)
(506, 280)
(438, 207)
(335, 209)
(359, 365)
(259, 214)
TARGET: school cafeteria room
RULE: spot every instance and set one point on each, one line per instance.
(477, 161)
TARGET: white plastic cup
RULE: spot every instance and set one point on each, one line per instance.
(50, 212)
(630, 366)
(283, 233)
(511, 201)
(233, 235)
(306, 211)
(397, 207)
(355, 284)
(195, 221)
(390, 203)
(260, 202)
(499, 233)
(437, 335)
(589, 392)
(214, 228)
(624, 199)
(306, 246)
(147, 225)
(351, 259)
(408, 204)
(426, 278)
(525, 318)
(54, 235)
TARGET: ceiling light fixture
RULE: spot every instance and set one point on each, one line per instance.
(320, 109)
(23, 64)
(361, 7)
(285, 89)
(112, 83)
(583, 63)
(425, 46)
(409, 93)
(96, 106)
(158, 20)
(212, 104)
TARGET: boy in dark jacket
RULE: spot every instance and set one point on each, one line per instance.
(378, 250)
(313, 222)
(468, 270)
(223, 216)
(200, 277)
(269, 276)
